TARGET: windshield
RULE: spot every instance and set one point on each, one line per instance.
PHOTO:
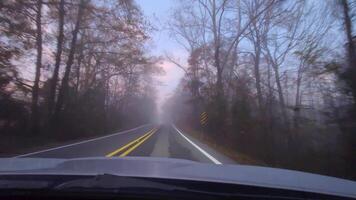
(267, 83)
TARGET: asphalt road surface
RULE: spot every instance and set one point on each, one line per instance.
(147, 140)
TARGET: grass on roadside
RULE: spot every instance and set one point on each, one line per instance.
(13, 144)
(225, 150)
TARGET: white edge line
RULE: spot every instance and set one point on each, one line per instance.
(81, 142)
(196, 146)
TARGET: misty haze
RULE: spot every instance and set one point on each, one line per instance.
(267, 83)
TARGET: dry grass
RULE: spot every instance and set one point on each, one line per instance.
(12, 145)
(225, 150)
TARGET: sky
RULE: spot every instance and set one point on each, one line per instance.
(157, 12)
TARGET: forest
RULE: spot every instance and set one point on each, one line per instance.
(73, 68)
(277, 80)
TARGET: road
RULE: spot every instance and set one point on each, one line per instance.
(147, 140)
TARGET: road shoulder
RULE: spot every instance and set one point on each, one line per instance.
(225, 155)
(214, 155)
(58, 145)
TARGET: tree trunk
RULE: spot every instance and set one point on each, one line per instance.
(195, 93)
(257, 75)
(297, 98)
(280, 93)
(219, 84)
(269, 100)
(54, 80)
(350, 46)
(217, 63)
(35, 90)
(77, 75)
(220, 97)
(65, 81)
(348, 29)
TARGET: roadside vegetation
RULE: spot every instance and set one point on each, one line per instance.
(276, 78)
(72, 69)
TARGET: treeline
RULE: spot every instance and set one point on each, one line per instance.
(72, 68)
(277, 79)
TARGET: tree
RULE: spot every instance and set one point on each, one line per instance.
(63, 91)
(34, 108)
(211, 23)
(258, 34)
(16, 32)
(54, 79)
(283, 36)
(350, 73)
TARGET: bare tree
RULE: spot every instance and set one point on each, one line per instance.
(348, 30)
(60, 38)
(35, 89)
(218, 26)
(283, 36)
(348, 13)
(65, 80)
(257, 34)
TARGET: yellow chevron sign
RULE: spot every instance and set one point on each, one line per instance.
(203, 118)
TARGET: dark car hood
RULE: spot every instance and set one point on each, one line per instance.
(182, 169)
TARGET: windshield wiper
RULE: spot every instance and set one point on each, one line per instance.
(113, 182)
(24, 184)
(109, 184)
(132, 185)
(140, 186)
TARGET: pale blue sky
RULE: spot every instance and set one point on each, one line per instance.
(158, 12)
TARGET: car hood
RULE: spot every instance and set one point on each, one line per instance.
(182, 169)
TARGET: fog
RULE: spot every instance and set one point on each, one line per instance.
(276, 79)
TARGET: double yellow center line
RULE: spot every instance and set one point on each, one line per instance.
(126, 149)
